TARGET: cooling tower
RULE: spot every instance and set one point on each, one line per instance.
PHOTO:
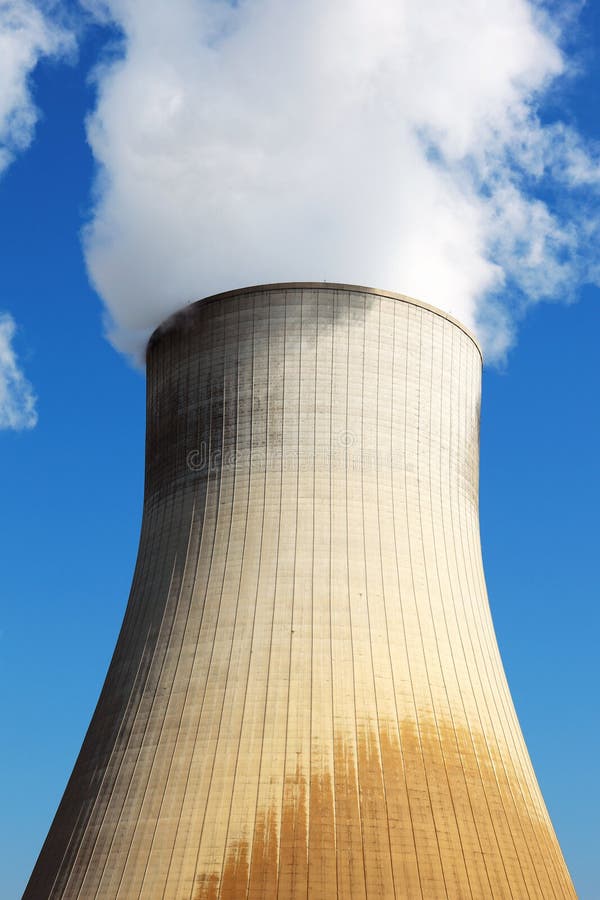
(306, 698)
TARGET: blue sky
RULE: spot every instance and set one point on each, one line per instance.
(72, 484)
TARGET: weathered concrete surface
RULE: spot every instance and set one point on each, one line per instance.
(306, 698)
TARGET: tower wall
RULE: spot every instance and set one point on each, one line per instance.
(306, 697)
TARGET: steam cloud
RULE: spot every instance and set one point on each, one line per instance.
(26, 35)
(393, 143)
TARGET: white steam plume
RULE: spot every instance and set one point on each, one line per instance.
(392, 143)
(26, 35)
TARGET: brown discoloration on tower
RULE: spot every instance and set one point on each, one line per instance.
(306, 698)
(469, 866)
(293, 851)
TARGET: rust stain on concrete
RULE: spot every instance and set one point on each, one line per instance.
(426, 810)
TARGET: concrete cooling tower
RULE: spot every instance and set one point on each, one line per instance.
(306, 699)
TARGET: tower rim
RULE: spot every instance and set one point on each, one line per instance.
(185, 310)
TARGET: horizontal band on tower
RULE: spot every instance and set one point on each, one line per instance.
(172, 320)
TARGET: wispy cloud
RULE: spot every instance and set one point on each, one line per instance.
(26, 35)
(17, 399)
(395, 143)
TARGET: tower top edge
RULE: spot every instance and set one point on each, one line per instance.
(182, 313)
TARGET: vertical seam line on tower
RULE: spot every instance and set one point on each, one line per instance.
(436, 716)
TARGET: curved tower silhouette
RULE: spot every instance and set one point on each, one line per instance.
(306, 698)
